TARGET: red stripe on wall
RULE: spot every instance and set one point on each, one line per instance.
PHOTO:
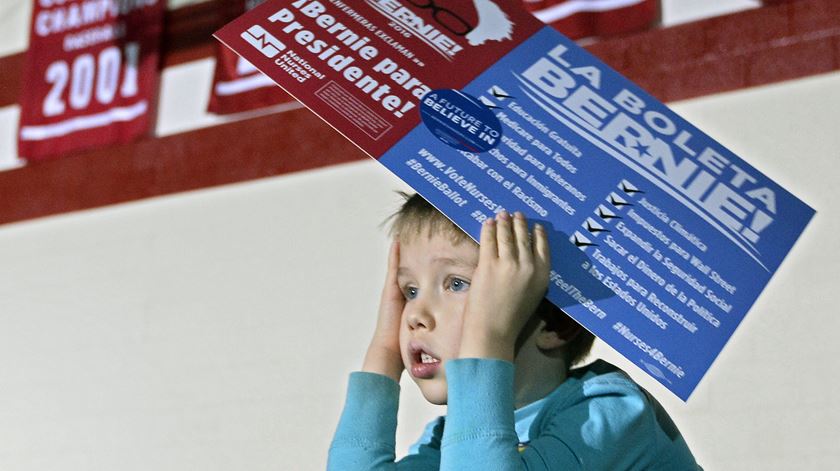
(754, 47)
(235, 152)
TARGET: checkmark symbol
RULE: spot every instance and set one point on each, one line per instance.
(629, 188)
(499, 93)
(486, 102)
(606, 214)
(582, 241)
(618, 201)
(593, 227)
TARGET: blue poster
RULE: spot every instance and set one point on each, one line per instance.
(662, 239)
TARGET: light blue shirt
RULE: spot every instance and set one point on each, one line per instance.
(597, 419)
(522, 417)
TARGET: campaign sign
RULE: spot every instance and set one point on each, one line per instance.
(661, 238)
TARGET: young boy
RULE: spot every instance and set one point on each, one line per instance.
(468, 324)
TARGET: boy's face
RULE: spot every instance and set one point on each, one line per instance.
(434, 276)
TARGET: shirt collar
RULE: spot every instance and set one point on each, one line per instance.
(524, 417)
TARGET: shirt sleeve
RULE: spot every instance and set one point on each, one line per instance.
(479, 432)
(365, 437)
(608, 427)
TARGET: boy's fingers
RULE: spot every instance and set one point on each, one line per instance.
(523, 242)
(504, 235)
(394, 258)
(393, 268)
(487, 248)
(542, 253)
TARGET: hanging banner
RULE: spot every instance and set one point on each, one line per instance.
(661, 238)
(237, 85)
(584, 18)
(90, 75)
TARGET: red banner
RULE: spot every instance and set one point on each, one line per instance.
(90, 76)
(583, 18)
(237, 85)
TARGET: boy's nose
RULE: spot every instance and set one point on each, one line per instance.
(420, 317)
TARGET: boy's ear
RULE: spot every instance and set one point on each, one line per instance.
(551, 339)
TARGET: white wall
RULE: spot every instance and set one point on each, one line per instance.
(214, 330)
(683, 11)
(204, 331)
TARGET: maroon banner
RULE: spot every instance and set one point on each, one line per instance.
(584, 18)
(237, 85)
(90, 76)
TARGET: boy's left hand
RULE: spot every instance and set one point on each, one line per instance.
(510, 280)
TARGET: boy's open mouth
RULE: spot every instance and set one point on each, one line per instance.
(424, 365)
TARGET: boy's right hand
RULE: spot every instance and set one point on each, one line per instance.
(383, 355)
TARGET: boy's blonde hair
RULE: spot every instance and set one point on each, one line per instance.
(417, 217)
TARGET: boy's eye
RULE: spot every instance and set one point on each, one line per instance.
(457, 284)
(410, 292)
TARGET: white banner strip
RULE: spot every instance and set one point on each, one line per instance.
(62, 128)
(565, 10)
(244, 84)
